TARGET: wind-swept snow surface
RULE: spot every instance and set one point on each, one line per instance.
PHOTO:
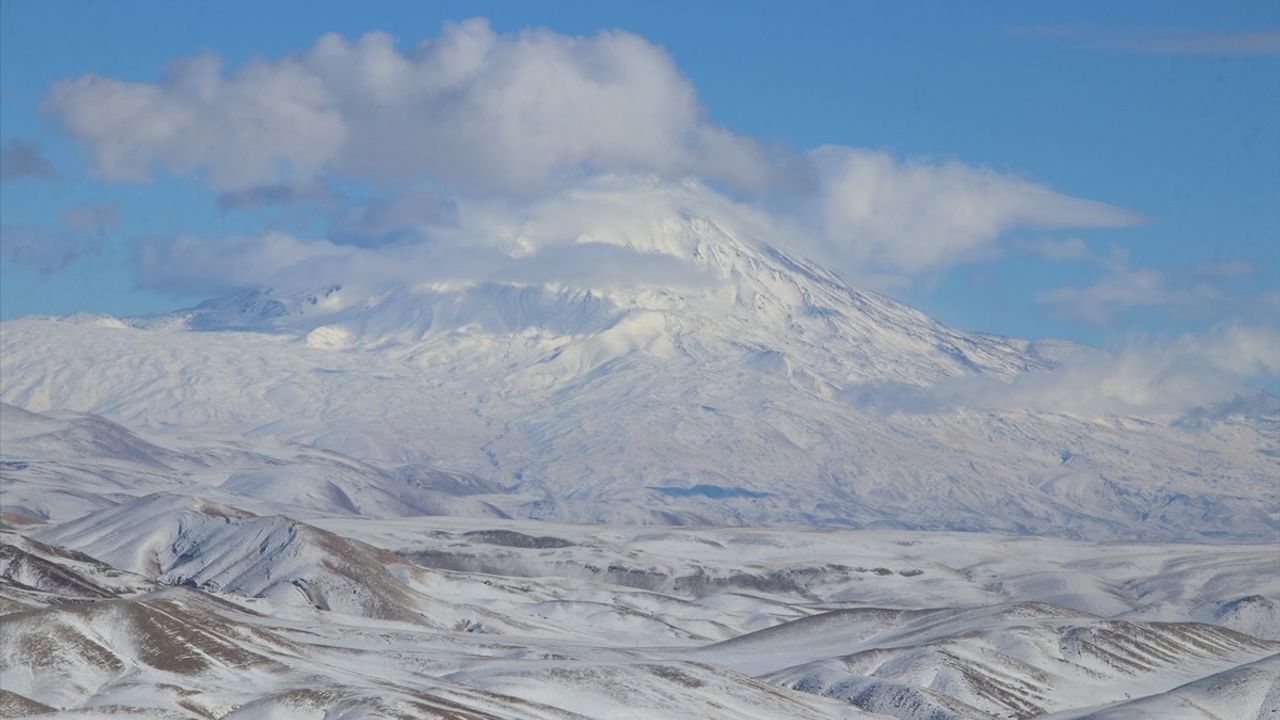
(484, 618)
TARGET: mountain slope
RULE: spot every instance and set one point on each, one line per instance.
(751, 387)
(49, 473)
(33, 574)
(1250, 691)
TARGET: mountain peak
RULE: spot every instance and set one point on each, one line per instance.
(720, 291)
(763, 370)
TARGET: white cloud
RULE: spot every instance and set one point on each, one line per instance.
(598, 234)
(191, 265)
(639, 213)
(409, 213)
(469, 107)
(474, 118)
(278, 260)
(1125, 287)
(1245, 350)
(1188, 374)
(1150, 376)
(1145, 376)
(921, 228)
(1185, 290)
(914, 216)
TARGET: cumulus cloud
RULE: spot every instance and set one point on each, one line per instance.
(473, 116)
(469, 107)
(1145, 375)
(21, 159)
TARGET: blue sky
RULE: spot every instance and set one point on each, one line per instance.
(1170, 111)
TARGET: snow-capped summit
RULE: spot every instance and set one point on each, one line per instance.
(707, 282)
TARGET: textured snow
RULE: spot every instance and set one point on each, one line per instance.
(1247, 691)
(776, 391)
(525, 619)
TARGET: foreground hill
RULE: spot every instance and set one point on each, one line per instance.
(217, 612)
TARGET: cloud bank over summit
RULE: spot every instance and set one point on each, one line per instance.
(536, 157)
(472, 116)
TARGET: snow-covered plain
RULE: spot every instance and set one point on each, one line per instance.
(753, 493)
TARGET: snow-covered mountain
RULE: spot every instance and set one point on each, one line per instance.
(752, 387)
(182, 540)
(356, 500)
